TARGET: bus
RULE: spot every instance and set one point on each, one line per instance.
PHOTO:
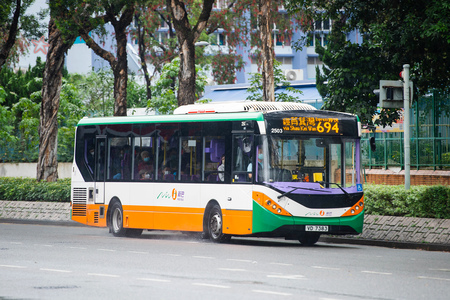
(256, 169)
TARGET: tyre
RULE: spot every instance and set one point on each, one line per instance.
(215, 225)
(117, 220)
(309, 239)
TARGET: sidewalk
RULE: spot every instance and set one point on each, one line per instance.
(386, 231)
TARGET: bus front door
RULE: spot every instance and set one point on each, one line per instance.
(100, 170)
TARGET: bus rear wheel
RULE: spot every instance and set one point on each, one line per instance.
(215, 226)
(309, 239)
(117, 220)
(117, 223)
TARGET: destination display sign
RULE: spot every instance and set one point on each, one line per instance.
(312, 123)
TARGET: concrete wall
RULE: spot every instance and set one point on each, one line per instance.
(28, 170)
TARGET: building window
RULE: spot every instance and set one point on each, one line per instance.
(320, 34)
(218, 39)
(314, 61)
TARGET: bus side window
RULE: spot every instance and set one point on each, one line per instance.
(168, 152)
(214, 150)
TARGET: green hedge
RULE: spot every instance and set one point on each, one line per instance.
(420, 201)
(28, 189)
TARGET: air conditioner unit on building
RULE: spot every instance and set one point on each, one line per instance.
(293, 74)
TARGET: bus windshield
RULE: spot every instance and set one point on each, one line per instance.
(310, 159)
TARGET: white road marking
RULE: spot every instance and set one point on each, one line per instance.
(16, 243)
(170, 254)
(55, 270)
(325, 268)
(108, 250)
(374, 272)
(287, 276)
(280, 264)
(272, 293)
(13, 266)
(443, 270)
(212, 285)
(433, 278)
(138, 252)
(103, 275)
(232, 270)
(242, 260)
(41, 245)
(78, 248)
(154, 279)
(203, 257)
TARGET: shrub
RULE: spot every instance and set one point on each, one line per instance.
(28, 189)
(419, 201)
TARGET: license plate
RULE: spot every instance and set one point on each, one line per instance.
(316, 228)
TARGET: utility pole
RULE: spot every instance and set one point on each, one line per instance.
(406, 122)
(398, 94)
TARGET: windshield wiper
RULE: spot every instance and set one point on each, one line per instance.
(297, 188)
(350, 197)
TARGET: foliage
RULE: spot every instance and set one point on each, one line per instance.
(223, 65)
(28, 189)
(418, 201)
(21, 84)
(13, 42)
(255, 88)
(164, 100)
(81, 95)
(390, 35)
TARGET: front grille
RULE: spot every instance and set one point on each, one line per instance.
(79, 200)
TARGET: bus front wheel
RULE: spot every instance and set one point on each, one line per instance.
(215, 225)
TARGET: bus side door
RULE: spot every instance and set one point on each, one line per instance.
(100, 170)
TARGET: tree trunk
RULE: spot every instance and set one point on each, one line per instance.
(118, 65)
(142, 50)
(267, 54)
(186, 77)
(120, 71)
(187, 35)
(47, 167)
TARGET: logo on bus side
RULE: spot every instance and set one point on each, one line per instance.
(174, 195)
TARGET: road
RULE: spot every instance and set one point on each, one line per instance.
(77, 262)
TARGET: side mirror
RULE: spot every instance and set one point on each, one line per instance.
(373, 145)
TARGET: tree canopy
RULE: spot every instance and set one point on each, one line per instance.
(15, 26)
(393, 33)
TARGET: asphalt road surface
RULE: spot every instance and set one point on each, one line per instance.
(77, 262)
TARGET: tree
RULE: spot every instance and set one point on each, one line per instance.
(47, 167)
(13, 24)
(187, 35)
(84, 16)
(165, 90)
(393, 34)
(267, 54)
(256, 86)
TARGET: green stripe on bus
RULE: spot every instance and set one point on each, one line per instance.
(247, 116)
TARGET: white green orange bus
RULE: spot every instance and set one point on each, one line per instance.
(222, 169)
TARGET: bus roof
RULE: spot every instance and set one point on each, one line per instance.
(256, 116)
(241, 106)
